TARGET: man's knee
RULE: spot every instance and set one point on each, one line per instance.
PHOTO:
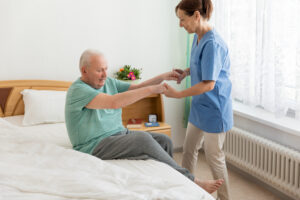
(143, 138)
(166, 140)
(161, 137)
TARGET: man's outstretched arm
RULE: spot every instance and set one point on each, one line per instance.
(173, 75)
(105, 101)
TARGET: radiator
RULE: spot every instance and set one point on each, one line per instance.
(272, 163)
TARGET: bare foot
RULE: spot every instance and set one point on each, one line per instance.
(209, 185)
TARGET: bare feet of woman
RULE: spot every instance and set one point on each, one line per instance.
(209, 185)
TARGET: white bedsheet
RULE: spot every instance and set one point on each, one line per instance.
(34, 167)
(46, 133)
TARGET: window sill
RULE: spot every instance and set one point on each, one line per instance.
(285, 124)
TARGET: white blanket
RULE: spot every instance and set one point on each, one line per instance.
(31, 169)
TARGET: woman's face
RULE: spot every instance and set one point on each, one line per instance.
(189, 23)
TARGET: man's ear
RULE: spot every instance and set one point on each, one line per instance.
(83, 70)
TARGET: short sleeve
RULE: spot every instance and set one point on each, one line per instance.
(80, 95)
(122, 86)
(212, 61)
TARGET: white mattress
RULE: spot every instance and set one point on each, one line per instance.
(177, 185)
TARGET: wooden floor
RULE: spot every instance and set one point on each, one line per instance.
(240, 187)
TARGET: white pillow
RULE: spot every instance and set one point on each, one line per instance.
(43, 106)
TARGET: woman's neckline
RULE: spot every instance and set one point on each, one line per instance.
(199, 39)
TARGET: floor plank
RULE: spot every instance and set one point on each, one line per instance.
(240, 187)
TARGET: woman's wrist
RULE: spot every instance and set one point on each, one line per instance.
(187, 71)
(179, 95)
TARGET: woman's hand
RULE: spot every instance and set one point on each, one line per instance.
(182, 75)
(171, 92)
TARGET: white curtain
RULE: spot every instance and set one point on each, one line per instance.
(264, 43)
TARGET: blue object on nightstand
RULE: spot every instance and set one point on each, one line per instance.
(151, 124)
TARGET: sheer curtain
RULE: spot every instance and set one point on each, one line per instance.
(264, 43)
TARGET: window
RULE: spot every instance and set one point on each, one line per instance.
(264, 43)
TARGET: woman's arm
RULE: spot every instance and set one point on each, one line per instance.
(197, 89)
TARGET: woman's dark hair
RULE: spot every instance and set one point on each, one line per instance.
(205, 7)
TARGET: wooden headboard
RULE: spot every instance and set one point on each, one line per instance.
(11, 101)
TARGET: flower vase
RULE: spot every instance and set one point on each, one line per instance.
(132, 81)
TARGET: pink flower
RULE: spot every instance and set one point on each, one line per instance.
(133, 77)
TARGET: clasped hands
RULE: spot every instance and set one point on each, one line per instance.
(177, 75)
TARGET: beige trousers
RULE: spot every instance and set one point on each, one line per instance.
(214, 154)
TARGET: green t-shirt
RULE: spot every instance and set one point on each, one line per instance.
(87, 127)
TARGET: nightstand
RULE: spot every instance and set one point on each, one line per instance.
(141, 109)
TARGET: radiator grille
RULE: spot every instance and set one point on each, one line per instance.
(268, 161)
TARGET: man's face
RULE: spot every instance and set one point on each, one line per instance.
(95, 75)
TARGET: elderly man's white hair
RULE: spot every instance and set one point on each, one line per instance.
(85, 57)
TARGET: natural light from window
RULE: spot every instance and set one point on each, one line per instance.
(264, 42)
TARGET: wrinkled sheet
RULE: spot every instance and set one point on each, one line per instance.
(34, 169)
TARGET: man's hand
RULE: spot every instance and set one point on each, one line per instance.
(171, 92)
(172, 75)
(158, 89)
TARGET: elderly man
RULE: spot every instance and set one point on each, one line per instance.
(94, 123)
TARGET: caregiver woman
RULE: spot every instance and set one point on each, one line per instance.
(211, 109)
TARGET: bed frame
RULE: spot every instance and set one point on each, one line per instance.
(11, 102)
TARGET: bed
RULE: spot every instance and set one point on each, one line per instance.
(38, 162)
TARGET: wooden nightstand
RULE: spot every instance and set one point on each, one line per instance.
(141, 109)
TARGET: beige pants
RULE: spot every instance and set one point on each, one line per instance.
(214, 154)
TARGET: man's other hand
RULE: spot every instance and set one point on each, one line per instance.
(171, 92)
(172, 75)
(158, 89)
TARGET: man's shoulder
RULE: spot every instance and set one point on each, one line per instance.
(78, 84)
(79, 88)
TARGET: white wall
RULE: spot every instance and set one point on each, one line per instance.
(44, 39)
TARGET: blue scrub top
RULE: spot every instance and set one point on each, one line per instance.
(211, 111)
